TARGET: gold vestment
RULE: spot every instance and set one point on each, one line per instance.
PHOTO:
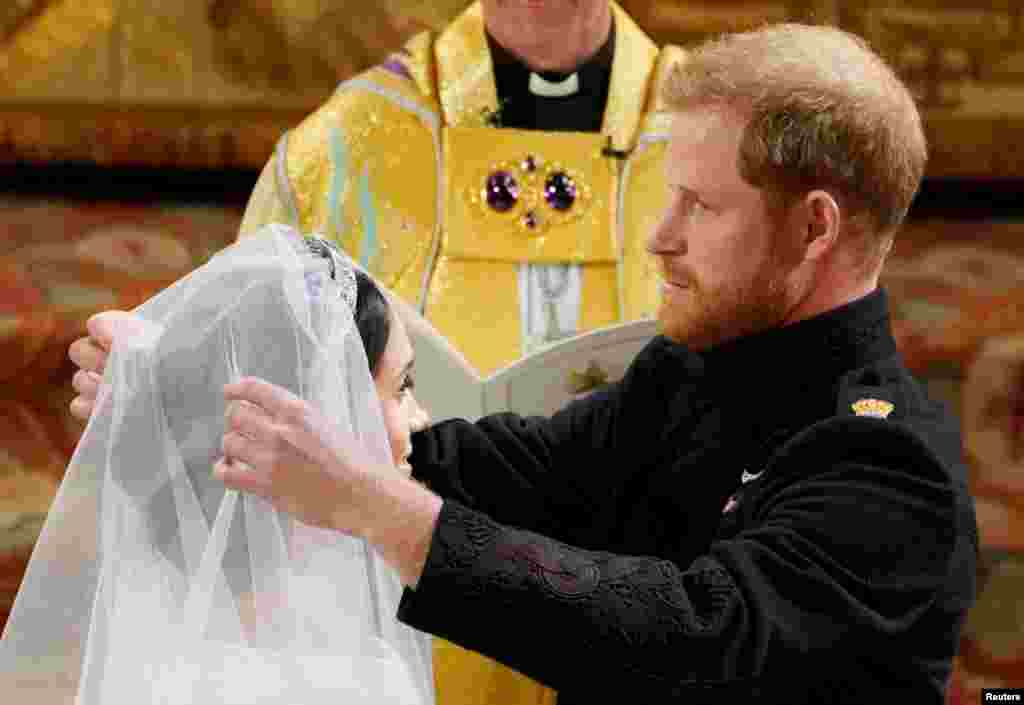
(394, 168)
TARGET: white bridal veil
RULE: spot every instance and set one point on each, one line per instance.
(151, 583)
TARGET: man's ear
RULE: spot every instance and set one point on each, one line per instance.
(820, 220)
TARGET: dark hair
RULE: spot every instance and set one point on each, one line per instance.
(373, 318)
(373, 315)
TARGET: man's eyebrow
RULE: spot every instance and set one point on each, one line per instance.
(677, 186)
(408, 366)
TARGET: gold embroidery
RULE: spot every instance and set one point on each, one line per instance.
(531, 178)
(582, 233)
(877, 408)
(588, 380)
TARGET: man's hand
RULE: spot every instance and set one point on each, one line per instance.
(90, 354)
(279, 447)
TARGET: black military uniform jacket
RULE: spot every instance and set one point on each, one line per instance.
(783, 518)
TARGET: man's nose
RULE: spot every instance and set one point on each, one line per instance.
(666, 238)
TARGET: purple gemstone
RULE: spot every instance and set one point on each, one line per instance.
(530, 220)
(502, 191)
(530, 164)
(396, 67)
(560, 191)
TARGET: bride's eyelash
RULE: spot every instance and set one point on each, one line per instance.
(407, 383)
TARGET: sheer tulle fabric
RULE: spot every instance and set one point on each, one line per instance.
(150, 582)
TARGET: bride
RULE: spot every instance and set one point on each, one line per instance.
(152, 583)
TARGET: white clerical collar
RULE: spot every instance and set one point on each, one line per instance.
(544, 88)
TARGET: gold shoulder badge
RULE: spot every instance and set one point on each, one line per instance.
(873, 407)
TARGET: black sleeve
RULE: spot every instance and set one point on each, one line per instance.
(561, 475)
(841, 548)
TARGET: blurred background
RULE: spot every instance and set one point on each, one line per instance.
(131, 132)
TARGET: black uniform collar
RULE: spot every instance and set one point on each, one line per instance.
(820, 348)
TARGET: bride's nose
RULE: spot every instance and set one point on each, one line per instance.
(420, 418)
